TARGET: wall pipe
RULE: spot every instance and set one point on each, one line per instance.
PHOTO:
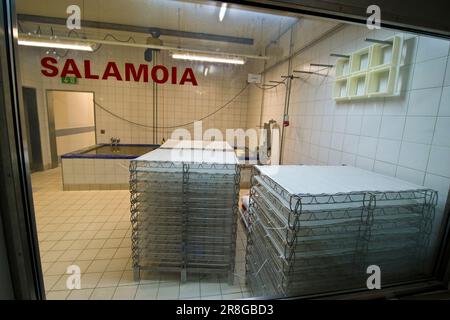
(287, 97)
(308, 45)
(138, 29)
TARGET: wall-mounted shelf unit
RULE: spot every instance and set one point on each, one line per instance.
(384, 55)
(357, 87)
(381, 82)
(369, 72)
(340, 89)
(342, 67)
(360, 60)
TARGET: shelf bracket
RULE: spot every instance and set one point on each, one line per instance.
(379, 41)
(339, 55)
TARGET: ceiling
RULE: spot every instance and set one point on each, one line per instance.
(192, 16)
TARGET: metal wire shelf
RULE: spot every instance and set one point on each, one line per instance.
(294, 240)
(184, 217)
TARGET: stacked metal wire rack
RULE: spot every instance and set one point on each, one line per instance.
(184, 204)
(318, 228)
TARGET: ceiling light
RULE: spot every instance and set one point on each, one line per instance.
(54, 43)
(93, 42)
(217, 59)
(223, 9)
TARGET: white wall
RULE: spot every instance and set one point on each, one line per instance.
(406, 137)
(72, 110)
(273, 105)
(74, 142)
(133, 101)
(304, 32)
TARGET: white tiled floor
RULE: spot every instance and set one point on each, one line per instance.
(92, 229)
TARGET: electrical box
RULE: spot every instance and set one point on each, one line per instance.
(254, 78)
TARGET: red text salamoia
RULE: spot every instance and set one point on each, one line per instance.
(142, 73)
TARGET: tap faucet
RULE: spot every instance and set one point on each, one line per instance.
(115, 141)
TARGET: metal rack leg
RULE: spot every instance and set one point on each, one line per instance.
(231, 278)
(136, 274)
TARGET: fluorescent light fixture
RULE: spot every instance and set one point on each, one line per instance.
(192, 57)
(89, 44)
(223, 9)
(54, 43)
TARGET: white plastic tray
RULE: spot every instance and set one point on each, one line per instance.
(316, 180)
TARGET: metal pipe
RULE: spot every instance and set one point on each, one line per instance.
(310, 72)
(339, 55)
(138, 29)
(321, 65)
(265, 66)
(155, 104)
(287, 96)
(379, 41)
(139, 45)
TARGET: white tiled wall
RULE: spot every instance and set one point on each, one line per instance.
(407, 137)
(177, 104)
(274, 98)
(254, 98)
(91, 172)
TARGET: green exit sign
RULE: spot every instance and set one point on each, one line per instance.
(69, 80)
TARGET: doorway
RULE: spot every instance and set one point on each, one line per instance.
(32, 129)
(71, 122)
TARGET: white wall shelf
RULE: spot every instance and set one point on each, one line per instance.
(357, 87)
(342, 67)
(359, 60)
(369, 72)
(381, 82)
(384, 54)
(340, 89)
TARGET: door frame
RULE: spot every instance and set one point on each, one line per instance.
(51, 124)
(27, 118)
(16, 201)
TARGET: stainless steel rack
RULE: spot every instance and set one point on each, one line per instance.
(184, 205)
(303, 243)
